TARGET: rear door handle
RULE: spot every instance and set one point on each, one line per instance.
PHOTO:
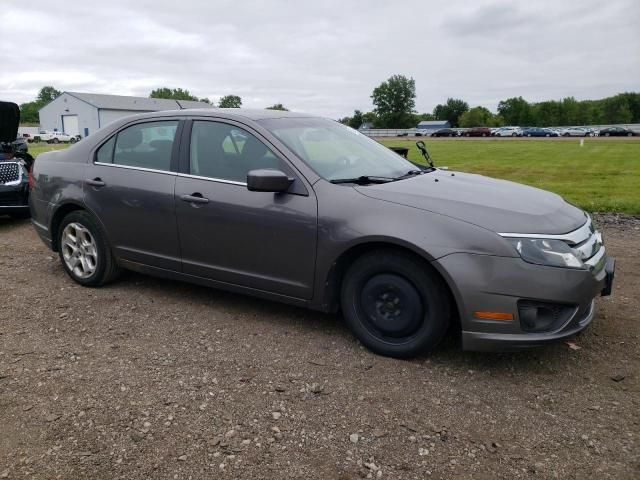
(96, 182)
(194, 198)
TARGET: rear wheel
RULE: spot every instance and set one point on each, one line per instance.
(607, 134)
(84, 251)
(55, 140)
(629, 134)
(395, 304)
(72, 140)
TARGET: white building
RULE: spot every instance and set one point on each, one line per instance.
(83, 113)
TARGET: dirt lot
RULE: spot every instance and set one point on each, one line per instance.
(155, 379)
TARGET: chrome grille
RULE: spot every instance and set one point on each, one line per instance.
(10, 173)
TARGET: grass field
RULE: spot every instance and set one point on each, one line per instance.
(601, 176)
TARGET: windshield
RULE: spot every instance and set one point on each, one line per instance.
(335, 151)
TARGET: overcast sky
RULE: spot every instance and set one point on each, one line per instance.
(323, 57)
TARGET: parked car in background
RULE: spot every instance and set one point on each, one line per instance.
(15, 164)
(538, 132)
(478, 132)
(403, 251)
(445, 132)
(508, 132)
(43, 136)
(61, 137)
(616, 132)
(576, 132)
(55, 137)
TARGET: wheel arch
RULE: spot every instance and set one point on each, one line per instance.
(57, 217)
(339, 267)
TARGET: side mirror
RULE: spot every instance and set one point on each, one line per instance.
(268, 181)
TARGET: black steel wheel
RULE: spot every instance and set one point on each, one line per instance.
(395, 304)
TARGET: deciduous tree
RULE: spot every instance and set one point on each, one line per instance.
(394, 101)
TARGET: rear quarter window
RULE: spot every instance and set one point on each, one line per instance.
(105, 152)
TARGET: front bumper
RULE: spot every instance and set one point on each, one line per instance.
(483, 283)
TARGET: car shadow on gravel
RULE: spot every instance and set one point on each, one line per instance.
(320, 328)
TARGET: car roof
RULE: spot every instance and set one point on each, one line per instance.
(251, 114)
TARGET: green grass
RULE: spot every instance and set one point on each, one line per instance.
(601, 176)
(36, 149)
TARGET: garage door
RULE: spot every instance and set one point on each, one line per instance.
(70, 124)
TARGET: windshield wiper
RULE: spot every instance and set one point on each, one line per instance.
(363, 180)
(413, 173)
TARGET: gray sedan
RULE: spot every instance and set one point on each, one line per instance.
(306, 211)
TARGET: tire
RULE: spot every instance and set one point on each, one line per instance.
(55, 140)
(95, 266)
(72, 140)
(484, 134)
(399, 280)
(528, 134)
(607, 134)
(566, 135)
(514, 134)
(547, 135)
(629, 134)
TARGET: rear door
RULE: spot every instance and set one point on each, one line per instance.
(260, 240)
(130, 185)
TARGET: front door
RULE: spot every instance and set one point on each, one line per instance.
(265, 241)
(130, 187)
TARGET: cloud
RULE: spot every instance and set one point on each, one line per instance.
(323, 57)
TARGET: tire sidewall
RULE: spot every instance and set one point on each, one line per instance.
(87, 221)
(428, 285)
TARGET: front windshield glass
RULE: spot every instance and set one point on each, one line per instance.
(336, 151)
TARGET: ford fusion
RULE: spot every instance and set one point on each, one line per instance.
(306, 211)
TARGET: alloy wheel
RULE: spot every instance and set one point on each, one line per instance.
(79, 250)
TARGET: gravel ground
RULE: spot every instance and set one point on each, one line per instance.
(155, 379)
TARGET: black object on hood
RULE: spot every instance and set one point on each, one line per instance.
(9, 121)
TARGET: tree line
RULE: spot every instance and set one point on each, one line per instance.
(29, 110)
(394, 107)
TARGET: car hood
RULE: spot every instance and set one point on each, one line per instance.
(498, 205)
(9, 121)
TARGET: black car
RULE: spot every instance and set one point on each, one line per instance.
(15, 164)
(616, 132)
(445, 132)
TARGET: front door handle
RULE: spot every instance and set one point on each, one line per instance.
(194, 198)
(96, 182)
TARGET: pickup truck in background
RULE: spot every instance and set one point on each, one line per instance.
(54, 137)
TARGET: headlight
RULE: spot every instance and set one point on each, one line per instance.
(542, 251)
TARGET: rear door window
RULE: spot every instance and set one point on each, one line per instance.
(145, 145)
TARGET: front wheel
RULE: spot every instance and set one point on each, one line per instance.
(629, 134)
(607, 134)
(55, 140)
(394, 304)
(72, 140)
(84, 251)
